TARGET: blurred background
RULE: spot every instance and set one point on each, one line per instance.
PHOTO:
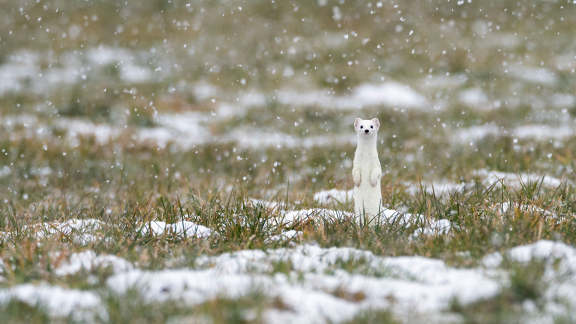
(260, 94)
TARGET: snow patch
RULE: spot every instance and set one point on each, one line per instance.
(58, 302)
(315, 214)
(260, 139)
(20, 66)
(438, 188)
(309, 289)
(24, 70)
(185, 130)
(103, 133)
(443, 81)
(390, 94)
(562, 100)
(272, 205)
(79, 231)
(540, 132)
(515, 180)
(181, 228)
(538, 251)
(82, 231)
(526, 208)
(471, 135)
(5, 171)
(124, 59)
(543, 132)
(425, 226)
(559, 280)
(333, 196)
(90, 261)
(386, 217)
(533, 74)
(474, 98)
(290, 235)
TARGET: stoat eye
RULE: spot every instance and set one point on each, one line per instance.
(361, 127)
(371, 126)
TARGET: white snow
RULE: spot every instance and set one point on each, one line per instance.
(438, 188)
(204, 90)
(434, 227)
(391, 94)
(558, 280)
(134, 73)
(250, 138)
(333, 196)
(501, 40)
(526, 208)
(385, 218)
(184, 130)
(437, 82)
(407, 285)
(539, 132)
(474, 98)
(25, 70)
(126, 60)
(82, 306)
(103, 133)
(314, 214)
(20, 66)
(425, 226)
(515, 180)
(533, 74)
(5, 171)
(79, 231)
(540, 250)
(290, 235)
(272, 205)
(316, 284)
(471, 135)
(180, 228)
(543, 132)
(89, 261)
(562, 100)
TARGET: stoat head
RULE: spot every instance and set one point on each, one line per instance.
(366, 127)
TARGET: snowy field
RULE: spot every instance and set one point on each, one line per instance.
(190, 161)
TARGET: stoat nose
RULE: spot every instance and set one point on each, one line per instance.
(366, 131)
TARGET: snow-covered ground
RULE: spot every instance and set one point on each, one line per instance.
(27, 70)
(80, 231)
(315, 286)
(438, 188)
(535, 132)
(89, 261)
(516, 180)
(181, 228)
(58, 302)
(333, 196)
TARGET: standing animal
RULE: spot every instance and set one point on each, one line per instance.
(367, 171)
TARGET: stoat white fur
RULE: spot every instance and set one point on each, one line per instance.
(367, 171)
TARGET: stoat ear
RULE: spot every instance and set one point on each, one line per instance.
(357, 123)
(376, 122)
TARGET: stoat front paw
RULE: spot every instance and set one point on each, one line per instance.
(374, 176)
(356, 177)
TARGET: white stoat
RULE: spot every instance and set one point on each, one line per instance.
(367, 171)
